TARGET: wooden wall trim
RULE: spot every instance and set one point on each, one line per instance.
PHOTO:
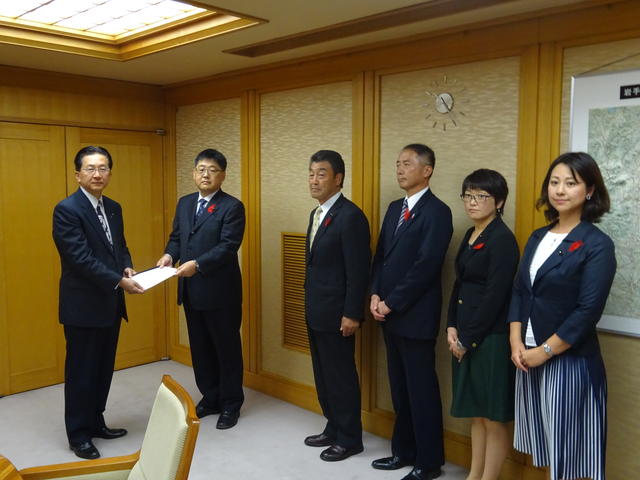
(251, 246)
(63, 82)
(170, 196)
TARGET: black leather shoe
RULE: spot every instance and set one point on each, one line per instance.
(227, 419)
(202, 411)
(422, 474)
(109, 433)
(389, 463)
(335, 453)
(85, 450)
(320, 440)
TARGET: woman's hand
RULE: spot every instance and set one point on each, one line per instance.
(534, 357)
(517, 354)
(452, 340)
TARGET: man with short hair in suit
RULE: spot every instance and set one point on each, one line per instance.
(96, 268)
(207, 231)
(336, 280)
(406, 299)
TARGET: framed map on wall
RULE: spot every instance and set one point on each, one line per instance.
(605, 122)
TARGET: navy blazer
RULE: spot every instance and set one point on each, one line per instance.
(91, 269)
(213, 242)
(480, 297)
(570, 289)
(337, 267)
(407, 266)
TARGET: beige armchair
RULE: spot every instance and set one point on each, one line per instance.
(166, 453)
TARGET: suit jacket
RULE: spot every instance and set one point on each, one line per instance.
(91, 269)
(213, 242)
(337, 267)
(407, 266)
(570, 289)
(480, 297)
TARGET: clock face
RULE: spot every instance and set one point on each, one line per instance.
(445, 101)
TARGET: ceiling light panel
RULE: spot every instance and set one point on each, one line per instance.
(108, 17)
(13, 9)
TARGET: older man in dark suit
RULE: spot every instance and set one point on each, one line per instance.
(337, 272)
(207, 231)
(406, 299)
(96, 267)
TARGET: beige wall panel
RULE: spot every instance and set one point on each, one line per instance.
(294, 125)
(621, 354)
(207, 125)
(487, 93)
(68, 108)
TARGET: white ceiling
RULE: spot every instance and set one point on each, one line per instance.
(285, 17)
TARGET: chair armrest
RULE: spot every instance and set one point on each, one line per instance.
(7, 470)
(91, 468)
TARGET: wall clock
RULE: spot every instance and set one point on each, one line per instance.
(446, 99)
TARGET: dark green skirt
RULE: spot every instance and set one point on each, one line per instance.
(483, 383)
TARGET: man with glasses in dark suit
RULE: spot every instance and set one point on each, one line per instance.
(96, 271)
(207, 231)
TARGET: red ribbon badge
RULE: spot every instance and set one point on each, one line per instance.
(478, 246)
(211, 208)
(575, 245)
(327, 221)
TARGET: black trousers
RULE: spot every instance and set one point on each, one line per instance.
(417, 432)
(216, 354)
(336, 377)
(88, 370)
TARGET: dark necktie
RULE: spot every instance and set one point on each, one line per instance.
(201, 204)
(103, 222)
(404, 215)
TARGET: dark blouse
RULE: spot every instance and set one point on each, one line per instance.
(484, 277)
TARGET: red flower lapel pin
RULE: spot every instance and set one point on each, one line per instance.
(575, 245)
(211, 208)
(327, 221)
(478, 246)
(407, 215)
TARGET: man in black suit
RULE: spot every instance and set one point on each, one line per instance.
(96, 267)
(207, 231)
(406, 299)
(337, 273)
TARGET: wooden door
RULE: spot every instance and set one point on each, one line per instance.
(136, 183)
(32, 181)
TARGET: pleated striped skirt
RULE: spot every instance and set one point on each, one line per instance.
(560, 416)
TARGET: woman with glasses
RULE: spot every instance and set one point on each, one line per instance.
(477, 330)
(558, 297)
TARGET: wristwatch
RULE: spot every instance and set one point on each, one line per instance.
(547, 349)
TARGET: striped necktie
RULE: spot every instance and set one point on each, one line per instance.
(201, 204)
(404, 215)
(103, 222)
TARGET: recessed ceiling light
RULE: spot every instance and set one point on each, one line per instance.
(113, 29)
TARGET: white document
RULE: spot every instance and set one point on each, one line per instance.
(154, 276)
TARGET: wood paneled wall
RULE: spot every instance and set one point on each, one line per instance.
(537, 40)
(40, 113)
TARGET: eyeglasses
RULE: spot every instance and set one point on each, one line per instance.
(210, 170)
(477, 197)
(92, 170)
